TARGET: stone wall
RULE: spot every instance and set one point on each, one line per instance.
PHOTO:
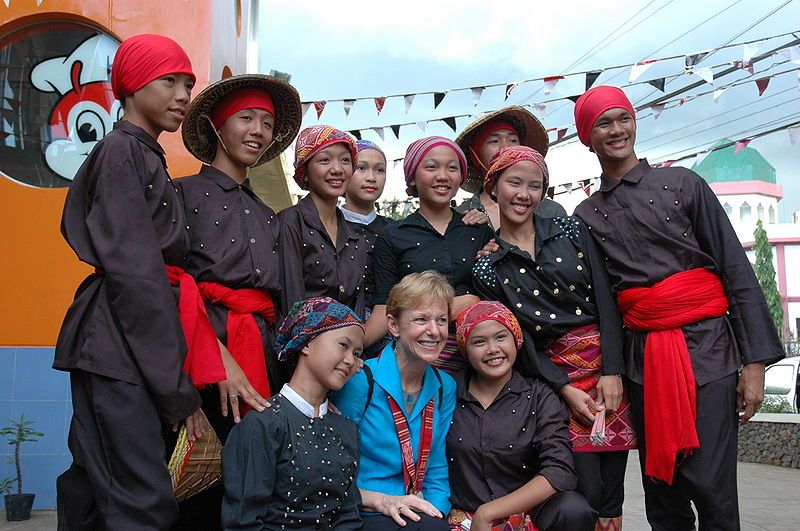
(771, 439)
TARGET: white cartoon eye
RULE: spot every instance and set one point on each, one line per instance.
(89, 126)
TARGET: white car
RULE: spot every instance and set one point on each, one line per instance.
(782, 379)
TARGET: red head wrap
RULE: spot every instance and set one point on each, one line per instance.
(484, 132)
(143, 58)
(486, 311)
(507, 157)
(595, 102)
(239, 100)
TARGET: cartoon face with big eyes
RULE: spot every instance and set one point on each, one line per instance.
(79, 120)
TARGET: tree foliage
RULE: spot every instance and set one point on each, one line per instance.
(765, 273)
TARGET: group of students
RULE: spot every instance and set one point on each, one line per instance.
(513, 354)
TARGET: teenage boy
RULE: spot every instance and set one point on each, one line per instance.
(694, 314)
(121, 339)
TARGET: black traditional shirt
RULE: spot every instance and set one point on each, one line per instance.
(412, 245)
(285, 470)
(654, 223)
(564, 287)
(494, 451)
(369, 233)
(123, 215)
(233, 238)
(313, 266)
(547, 207)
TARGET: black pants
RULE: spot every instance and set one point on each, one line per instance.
(707, 477)
(564, 511)
(601, 479)
(385, 523)
(118, 478)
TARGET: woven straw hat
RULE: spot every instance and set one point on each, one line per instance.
(199, 136)
(195, 466)
(531, 134)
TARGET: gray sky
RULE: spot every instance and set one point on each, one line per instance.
(354, 49)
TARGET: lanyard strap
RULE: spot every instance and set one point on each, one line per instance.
(414, 473)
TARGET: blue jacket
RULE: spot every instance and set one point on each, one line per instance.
(381, 464)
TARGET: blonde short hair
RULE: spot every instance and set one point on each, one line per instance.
(418, 288)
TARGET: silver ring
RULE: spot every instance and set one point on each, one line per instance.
(233, 396)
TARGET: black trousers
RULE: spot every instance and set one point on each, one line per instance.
(601, 479)
(707, 477)
(118, 478)
(564, 511)
(385, 523)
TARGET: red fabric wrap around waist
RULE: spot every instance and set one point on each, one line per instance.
(203, 361)
(244, 337)
(670, 400)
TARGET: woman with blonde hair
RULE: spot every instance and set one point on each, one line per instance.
(403, 407)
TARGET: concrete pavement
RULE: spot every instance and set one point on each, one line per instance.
(769, 497)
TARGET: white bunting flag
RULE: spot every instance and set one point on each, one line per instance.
(550, 83)
(422, 125)
(409, 99)
(640, 68)
(304, 108)
(794, 134)
(749, 51)
(378, 130)
(540, 108)
(348, 104)
(718, 93)
(477, 92)
(657, 110)
(705, 73)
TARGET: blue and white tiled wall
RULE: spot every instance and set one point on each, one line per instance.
(29, 385)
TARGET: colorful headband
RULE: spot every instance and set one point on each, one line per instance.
(309, 318)
(316, 138)
(416, 153)
(486, 311)
(507, 157)
(363, 145)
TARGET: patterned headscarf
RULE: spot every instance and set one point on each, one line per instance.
(507, 157)
(486, 311)
(315, 138)
(595, 102)
(362, 145)
(417, 150)
(309, 318)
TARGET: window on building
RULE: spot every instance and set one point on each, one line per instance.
(772, 214)
(760, 211)
(56, 100)
(746, 214)
(728, 210)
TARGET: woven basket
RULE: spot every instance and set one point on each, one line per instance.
(195, 466)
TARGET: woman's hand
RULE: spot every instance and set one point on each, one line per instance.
(399, 507)
(580, 403)
(236, 386)
(609, 391)
(475, 217)
(490, 247)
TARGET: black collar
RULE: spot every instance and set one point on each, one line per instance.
(633, 176)
(142, 136)
(222, 179)
(546, 229)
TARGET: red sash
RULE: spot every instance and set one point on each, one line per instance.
(244, 337)
(670, 401)
(203, 361)
(414, 473)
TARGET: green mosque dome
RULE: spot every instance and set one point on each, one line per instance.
(723, 166)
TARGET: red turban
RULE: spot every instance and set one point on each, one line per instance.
(595, 102)
(143, 58)
(238, 100)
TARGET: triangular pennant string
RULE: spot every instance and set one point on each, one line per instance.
(379, 103)
(550, 83)
(510, 88)
(396, 131)
(378, 130)
(749, 51)
(409, 99)
(762, 85)
(304, 108)
(437, 98)
(667, 163)
(319, 106)
(705, 73)
(739, 146)
(794, 134)
(640, 68)
(451, 121)
(693, 59)
(540, 108)
(477, 92)
(591, 77)
(573, 99)
(396, 163)
(657, 110)
(422, 125)
(561, 134)
(658, 83)
(701, 157)
(718, 93)
(348, 104)
(356, 133)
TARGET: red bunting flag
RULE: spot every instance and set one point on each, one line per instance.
(667, 163)
(587, 187)
(740, 145)
(561, 134)
(320, 106)
(762, 84)
(379, 103)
